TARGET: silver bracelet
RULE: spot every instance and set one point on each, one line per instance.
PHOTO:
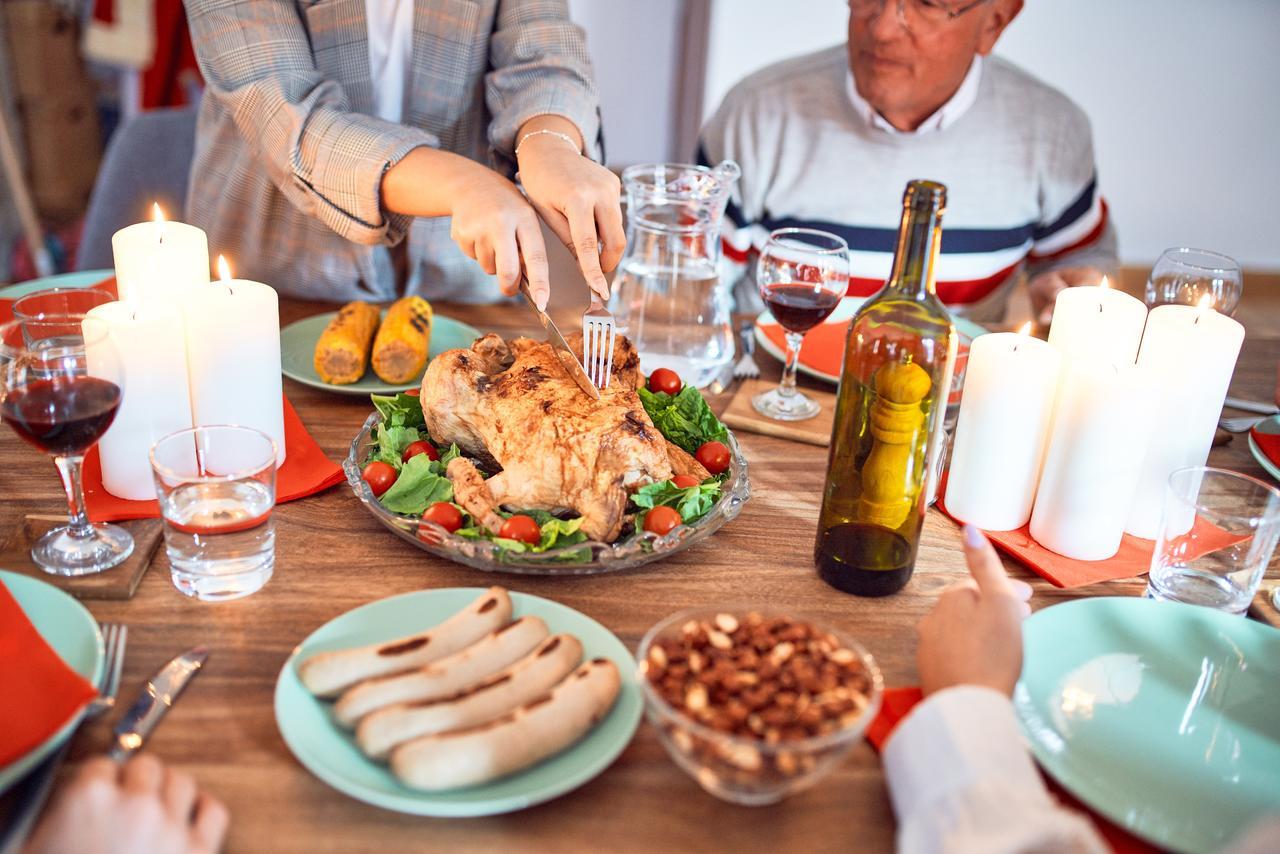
(554, 133)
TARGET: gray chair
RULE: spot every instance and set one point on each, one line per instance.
(148, 160)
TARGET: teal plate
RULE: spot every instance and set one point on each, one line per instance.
(1271, 426)
(73, 633)
(331, 754)
(83, 279)
(298, 346)
(1163, 717)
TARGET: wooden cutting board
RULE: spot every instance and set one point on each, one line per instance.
(119, 582)
(741, 415)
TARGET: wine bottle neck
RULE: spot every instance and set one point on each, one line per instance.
(916, 256)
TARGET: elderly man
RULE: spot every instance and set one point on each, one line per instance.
(828, 141)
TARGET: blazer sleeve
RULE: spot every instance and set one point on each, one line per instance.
(539, 66)
(327, 161)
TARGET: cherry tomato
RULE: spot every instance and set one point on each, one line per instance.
(414, 392)
(665, 380)
(684, 481)
(445, 515)
(661, 520)
(420, 447)
(714, 457)
(379, 476)
(523, 528)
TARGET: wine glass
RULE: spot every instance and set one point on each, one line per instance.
(1185, 276)
(60, 301)
(802, 273)
(59, 390)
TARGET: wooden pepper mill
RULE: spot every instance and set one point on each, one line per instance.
(897, 418)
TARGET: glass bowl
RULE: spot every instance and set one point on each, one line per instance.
(740, 769)
(586, 558)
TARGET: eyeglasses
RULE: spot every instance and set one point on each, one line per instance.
(916, 14)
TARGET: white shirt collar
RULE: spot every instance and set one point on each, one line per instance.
(943, 117)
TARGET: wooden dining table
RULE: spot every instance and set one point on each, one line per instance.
(332, 556)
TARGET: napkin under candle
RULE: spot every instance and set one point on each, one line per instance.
(40, 692)
(897, 703)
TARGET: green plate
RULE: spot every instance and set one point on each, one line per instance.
(1163, 717)
(1271, 426)
(331, 754)
(73, 633)
(298, 346)
(83, 279)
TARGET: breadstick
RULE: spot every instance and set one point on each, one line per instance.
(445, 677)
(328, 674)
(527, 679)
(508, 744)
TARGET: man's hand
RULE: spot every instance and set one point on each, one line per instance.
(577, 198)
(973, 635)
(1045, 287)
(140, 807)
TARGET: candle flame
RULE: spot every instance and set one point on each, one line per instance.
(157, 215)
(1204, 306)
(1104, 283)
(224, 269)
(1025, 329)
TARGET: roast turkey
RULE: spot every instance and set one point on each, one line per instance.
(514, 407)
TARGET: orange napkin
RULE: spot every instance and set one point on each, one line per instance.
(897, 703)
(1269, 443)
(6, 305)
(41, 693)
(306, 471)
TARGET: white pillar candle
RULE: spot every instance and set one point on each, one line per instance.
(159, 260)
(233, 355)
(1189, 355)
(148, 350)
(1100, 427)
(1098, 322)
(1005, 417)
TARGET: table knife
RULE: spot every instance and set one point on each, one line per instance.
(557, 341)
(1250, 406)
(160, 692)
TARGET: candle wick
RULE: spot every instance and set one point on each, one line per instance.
(1099, 308)
(1197, 320)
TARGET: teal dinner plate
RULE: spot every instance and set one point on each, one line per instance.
(1163, 717)
(298, 346)
(82, 279)
(73, 633)
(330, 752)
(1269, 425)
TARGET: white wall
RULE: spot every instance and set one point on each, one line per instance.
(1183, 95)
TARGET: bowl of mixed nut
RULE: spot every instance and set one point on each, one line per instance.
(756, 705)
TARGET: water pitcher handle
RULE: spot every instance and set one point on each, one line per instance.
(728, 172)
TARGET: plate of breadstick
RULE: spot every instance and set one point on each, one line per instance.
(458, 701)
(363, 349)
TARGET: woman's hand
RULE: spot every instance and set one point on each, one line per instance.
(1044, 289)
(577, 198)
(973, 635)
(141, 806)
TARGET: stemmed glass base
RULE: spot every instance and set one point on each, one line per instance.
(776, 404)
(61, 552)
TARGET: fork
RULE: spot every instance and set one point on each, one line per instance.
(747, 367)
(1243, 424)
(597, 343)
(31, 793)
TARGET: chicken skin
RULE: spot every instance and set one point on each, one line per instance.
(514, 406)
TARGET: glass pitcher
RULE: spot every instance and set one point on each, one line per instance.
(667, 295)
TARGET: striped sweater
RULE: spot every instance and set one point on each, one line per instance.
(1018, 165)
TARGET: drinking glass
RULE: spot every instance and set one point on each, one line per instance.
(802, 273)
(58, 392)
(217, 486)
(1186, 276)
(60, 301)
(1238, 525)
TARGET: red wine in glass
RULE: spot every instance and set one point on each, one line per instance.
(798, 306)
(63, 416)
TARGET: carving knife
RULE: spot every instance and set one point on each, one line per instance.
(160, 692)
(572, 365)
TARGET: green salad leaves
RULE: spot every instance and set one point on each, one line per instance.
(556, 533)
(692, 503)
(683, 418)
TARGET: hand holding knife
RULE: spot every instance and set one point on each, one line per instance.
(572, 365)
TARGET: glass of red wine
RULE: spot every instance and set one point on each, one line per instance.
(55, 393)
(802, 274)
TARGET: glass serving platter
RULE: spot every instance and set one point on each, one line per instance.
(586, 558)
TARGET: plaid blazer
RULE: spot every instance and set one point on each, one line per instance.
(289, 160)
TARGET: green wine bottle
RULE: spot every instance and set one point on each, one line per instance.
(898, 361)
